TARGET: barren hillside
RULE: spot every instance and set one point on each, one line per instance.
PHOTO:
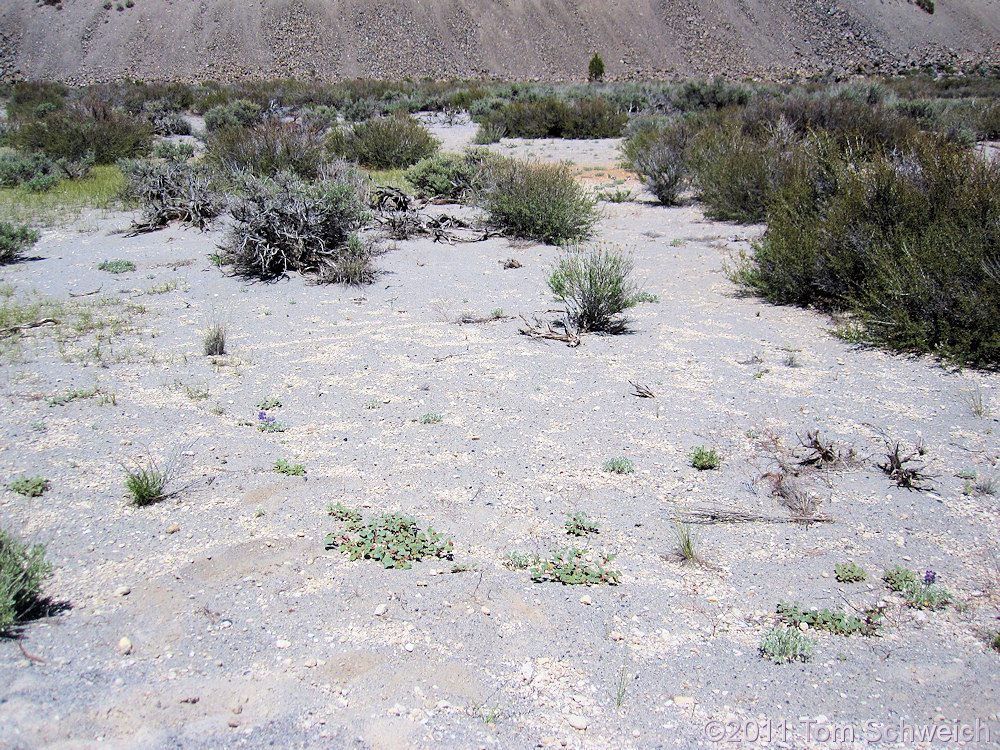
(84, 41)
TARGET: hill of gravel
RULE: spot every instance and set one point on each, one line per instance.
(82, 41)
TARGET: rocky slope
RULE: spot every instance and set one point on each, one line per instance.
(84, 41)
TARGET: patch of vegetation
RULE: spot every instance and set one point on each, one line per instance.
(23, 572)
(784, 646)
(237, 113)
(431, 417)
(284, 224)
(658, 152)
(171, 190)
(618, 465)
(35, 172)
(386, 143)
(269, 147)
(271, 402)
(146, 482)
(905, 468)
(214, 341)
(30, 486)
(63, 203)
(15, 239)
(686, 546)
(281, 466)
(595, 69)
(552, 117)
(451, 176)
(580, 524)
(596, 288)
(850, 572)
(837, 623)
(341, 512)
(704, 459)
(536, 201)
(393, 539)
(90, 129)
(517, 560)
(569, 566)
(66, 398)
(267, 423)
(920, 592)
(116, 266)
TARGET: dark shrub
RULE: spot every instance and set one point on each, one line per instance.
(165, 119)
(595, 70)
(31, 99)
(554, 118)
(387, 143)
(74, 132)
(237, 113)
(269, 147)
(451, 176)
(539, 201)
(14, 240)
(36, 172)
(23, 571)
(910, 242)
(657, 151)
(284, 224)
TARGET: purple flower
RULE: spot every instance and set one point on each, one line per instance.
(929, 577)
(262, 415)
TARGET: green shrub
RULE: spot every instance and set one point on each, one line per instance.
(595, 287)
(23, 571)
(116, 266)
(537, 201)
(783, 646)
(392, 539)
(704, 459)
(449, 176)
(96, 131)
(269, 147)
(569, 566)
(387, 143)
(281, 466)
(30, 99)
(850, 572)
(236, 113)
(35, 172)
(580, 524)
(30, 486)
(146, 482)
(658, 154)
(595, 70)
(618, 465)
(837, 623)
(14, 240)
(284, 224)
(907, 241)
(551, 117)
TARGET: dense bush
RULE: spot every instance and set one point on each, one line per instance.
(73, 133)
(539, 201)
(554, 118)
(284, 224)
(595, 287)
(237, 113)
(35, 172)
(165, 119)
(171, 190)
(451, 176)
(657, 152)
(269, 147)
(908, 241)
(14, 240)
(23, 571)
(386, 143)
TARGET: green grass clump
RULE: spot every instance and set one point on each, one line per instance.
(145, 482)
(536, 201)
(214, 341)
(281, 466)
(703, 458)
(30, 486)
(65, 398)
(569, 566)
(23, 571)
(341, 512)
(580, 524)
(63, 203)
(618, 465)
(784, 646)
(596, 288)
(392, 539)
(116, 266)
(431, 417)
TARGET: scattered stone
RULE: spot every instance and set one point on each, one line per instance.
(577, 722)
(683, 701)
(485, 611)
(123, 591)
(408, 646)
(173, 528)
(585, 599)
(125, 646)
(282, 643)
(381, 609)
(527, 671)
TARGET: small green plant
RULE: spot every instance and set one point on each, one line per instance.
(569, 567)
(116, 266)
(995, 642)
(978, 404)
(850, 572)
(281, 466)
(373, 403)
(520, 560)
(927, 6)
(392, 539)
(595, 287)
(30, 486)
(686, 547)
(784, 646)
(66, 398)
(23, 571)
(272, 402)
(214, 342)
(595, 69)
(340, 512)
(837, 623)
(431, 417)
(580, 524)
(920, 592)
(898, 577)
(267, 423)
(618, 465)
(146, 482)
(703, 458)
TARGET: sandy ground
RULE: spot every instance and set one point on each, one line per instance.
(246, 632)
